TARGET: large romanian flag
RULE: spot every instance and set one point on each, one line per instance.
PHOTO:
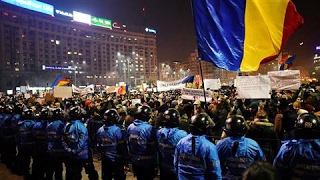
(237, 35)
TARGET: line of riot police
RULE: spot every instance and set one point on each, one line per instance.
(44, 140)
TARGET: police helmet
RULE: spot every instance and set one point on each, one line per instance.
(235, 126)
(75, 113)
(170, 118)
(307, 126)
(111, 116)
(144, 113)
(200, 123)
(44, 114)
(28, 114)
(57, 114)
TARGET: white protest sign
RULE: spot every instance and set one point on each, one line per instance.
(62, 91)
(195, 94)
(87, 90)
(136, 101)
(213, 84)
(83, 91)
(170, 85)
(75, 89)
(253, 87)
(285, 80)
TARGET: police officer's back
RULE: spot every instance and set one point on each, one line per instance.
(299, 158)
(111, 142)
(168, 137)
(76, 143)
(142, 143)
(195, 156)
(236, 152)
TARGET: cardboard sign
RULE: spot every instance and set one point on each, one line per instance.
(253, 87)
(62, 91)
(111, 89)
(285, 80)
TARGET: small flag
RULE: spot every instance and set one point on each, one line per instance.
(123, 90)
(60, 81)
(188, 79)
(287, 59)
(285, 66)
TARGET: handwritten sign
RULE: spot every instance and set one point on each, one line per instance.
(195, 94)
(253, 87)
(285, 80)
(213, 84)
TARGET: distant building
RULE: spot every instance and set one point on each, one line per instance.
(209, 71)
(38, 45)
(316, 62)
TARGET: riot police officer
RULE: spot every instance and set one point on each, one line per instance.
(56, 153)
(76, 144)
(8, 131)
(26, 142)
(168, 138)
(200, 160)
(111, 142)
(40, 155)
(236, 152)
(299, 158)
(142, 143)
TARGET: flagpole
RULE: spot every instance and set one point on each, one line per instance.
(200, 66)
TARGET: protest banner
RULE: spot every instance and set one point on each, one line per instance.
(285, 80)
(195, 94)
(169, 85)
(253, 87)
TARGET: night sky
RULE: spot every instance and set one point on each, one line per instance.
(173, 21)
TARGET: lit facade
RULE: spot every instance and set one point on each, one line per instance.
(35, 48)
(316, 62)
(209, 71)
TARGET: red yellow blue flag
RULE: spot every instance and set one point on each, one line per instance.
(286, 62)
(238, 35)
(60, 81)
(123, 90)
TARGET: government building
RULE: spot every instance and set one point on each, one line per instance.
(39, 42)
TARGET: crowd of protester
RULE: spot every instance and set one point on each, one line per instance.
(162, 134)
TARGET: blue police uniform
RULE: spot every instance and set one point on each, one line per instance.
(142, 143)
(56, 152)
(54, 133)
(77, 140)
(197, 158)
(299, 159)
(237, 153)
(26, 144)
(168, 139)
(76, 143)
(40, 155)
(111, 142)
(8, 132)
